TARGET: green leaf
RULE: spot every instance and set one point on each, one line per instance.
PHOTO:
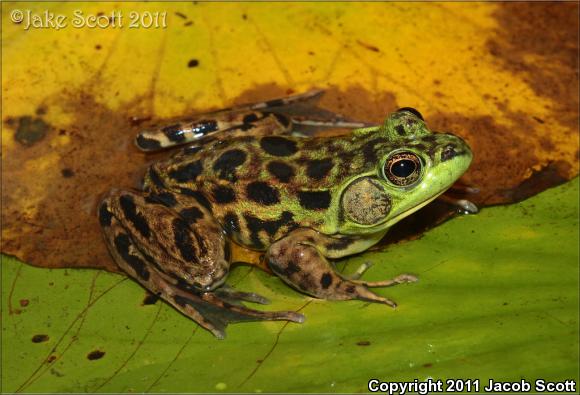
(497, 298)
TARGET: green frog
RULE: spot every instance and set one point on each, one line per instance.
(242, 176)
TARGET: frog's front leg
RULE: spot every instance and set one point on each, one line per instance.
(300, 260)
(180, 255)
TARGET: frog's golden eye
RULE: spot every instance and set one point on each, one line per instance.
(403, 168)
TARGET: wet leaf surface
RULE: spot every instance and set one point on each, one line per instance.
(504, 308)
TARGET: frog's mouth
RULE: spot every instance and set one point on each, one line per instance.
(415, 208)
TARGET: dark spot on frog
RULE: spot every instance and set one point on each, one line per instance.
(253, 117)
(261, 192)
(105, 215)
(191, 214)
(278, 146)
(448, 153)
(223, 194)
(182, 239)
(227, 163)
(255, 225)
(165, 198)
(291, 269)
(201, 199)
(326, 280)
(282, 119)
(187, 173)
(122, 243)
(193, 63)
(369, 151)
(340, 244)
(350, 289)
(29, 130)
(204, 127)
(419, 147)
(150, 298)
(317, 169)
(231, 224)
(400, 130)
(363, 343)
(97, 354)
(314, 200)
(67, 173)
(430, 138)
(130, 210)
(282, 171)
(155, 179)
(147, 144)
(24, 302)
(174, 133)
(275, 103)
(40, 338)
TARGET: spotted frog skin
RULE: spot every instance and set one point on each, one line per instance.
(243, 177)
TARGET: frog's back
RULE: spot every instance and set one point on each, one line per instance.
(259, 188)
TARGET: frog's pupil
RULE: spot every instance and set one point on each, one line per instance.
(403, 168)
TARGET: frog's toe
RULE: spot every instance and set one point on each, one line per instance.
(234, 296)
(400, 279)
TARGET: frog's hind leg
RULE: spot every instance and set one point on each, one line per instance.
(170, 257)
(235, 121)
(299, 259)
(201, 129)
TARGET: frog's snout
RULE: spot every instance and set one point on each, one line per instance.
(456, 150)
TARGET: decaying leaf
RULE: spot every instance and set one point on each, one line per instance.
(502, 76)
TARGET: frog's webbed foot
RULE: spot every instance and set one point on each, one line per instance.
(160, 250)
(298, 259)
(218, 311)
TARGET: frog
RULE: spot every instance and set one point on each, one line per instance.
(240, 175)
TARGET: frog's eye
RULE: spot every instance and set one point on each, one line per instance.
(412, 111)
(402, 168)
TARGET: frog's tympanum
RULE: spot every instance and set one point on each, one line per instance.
(243, 177)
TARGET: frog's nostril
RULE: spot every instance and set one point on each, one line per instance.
(448, 153)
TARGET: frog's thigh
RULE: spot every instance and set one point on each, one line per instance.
(144, 238)
(298, 261)
(193, 250)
